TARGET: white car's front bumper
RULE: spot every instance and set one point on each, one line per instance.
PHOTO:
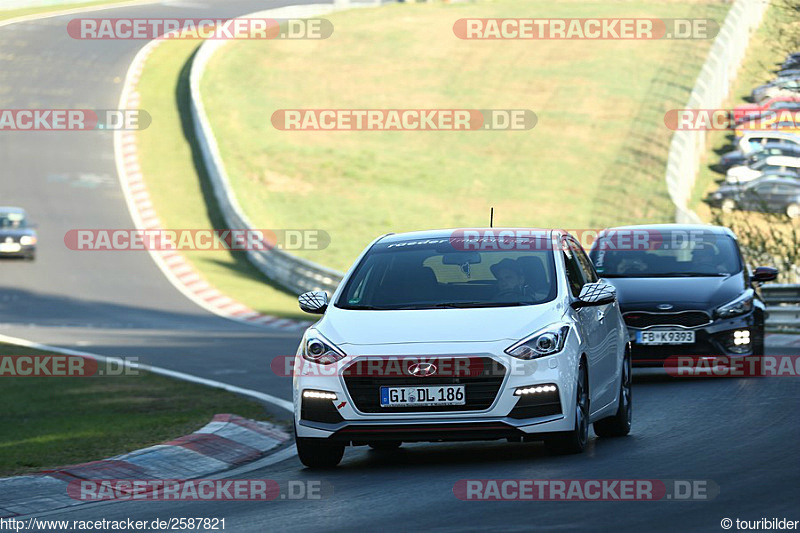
(355, 417)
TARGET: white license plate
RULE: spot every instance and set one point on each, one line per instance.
(11, 247)
(426, 396)
(669, 336)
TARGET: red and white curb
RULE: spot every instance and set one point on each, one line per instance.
(228, 441)
(174, 265)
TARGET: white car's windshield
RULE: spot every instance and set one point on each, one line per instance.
(416, 275)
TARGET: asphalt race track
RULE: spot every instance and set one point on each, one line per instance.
(113, 303)
(741, 434)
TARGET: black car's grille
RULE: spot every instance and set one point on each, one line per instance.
(482, 382)
(687, 319)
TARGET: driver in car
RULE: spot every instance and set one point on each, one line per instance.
(510, 281)
(705, 260)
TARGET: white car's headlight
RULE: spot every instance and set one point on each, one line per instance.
(318, 349)
(741, 305)
(546, 341)
(27, 240)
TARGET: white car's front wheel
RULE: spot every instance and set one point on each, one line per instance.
(619, 424)
(575, 441)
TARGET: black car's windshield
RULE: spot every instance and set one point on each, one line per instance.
(667, 254)
(12, 220)
(433, 274)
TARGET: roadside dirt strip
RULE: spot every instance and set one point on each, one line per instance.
(228, 441)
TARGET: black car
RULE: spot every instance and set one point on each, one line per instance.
(17, 237)
(776, 192)
(683, 290)
(736, 158)
(785, 150)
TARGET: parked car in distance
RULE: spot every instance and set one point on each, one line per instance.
(738, 157)
(786, 87)
(686, 291)
(743, 174)
(750, 139)
(770, 194)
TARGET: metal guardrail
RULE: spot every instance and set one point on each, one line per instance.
(710, 91)
(293, 273)
(783, 305)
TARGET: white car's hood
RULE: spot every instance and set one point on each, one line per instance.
(741, 173)
(356, 327)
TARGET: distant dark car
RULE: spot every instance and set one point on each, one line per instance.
(778, 87)
(17, 237)
(737, 157)
(775, 193)
(786, 150)
(688, 293)
(791, 61)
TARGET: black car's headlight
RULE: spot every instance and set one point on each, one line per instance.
(27, 240)
(740, 306)
(546, 341)
(318, 349)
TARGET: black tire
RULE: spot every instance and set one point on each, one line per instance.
(619, 424)
(571, 442)
(728, 205)
(385, 445)
(319, 453)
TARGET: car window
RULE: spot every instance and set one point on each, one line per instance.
(784, 188)
(762, 188)
(668, 253)
(436, 273)
(587, 269)
(12, 220)
(573, 268)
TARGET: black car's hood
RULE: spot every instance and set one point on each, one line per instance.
(683, 293)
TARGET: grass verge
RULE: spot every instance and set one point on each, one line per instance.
(595, 158)
(56, 421)
(8, 14)
(178, 184)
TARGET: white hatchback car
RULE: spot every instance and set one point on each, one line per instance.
(454, 335)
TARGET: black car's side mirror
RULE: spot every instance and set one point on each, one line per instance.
(764, 273)
(315, 302)
(594, 294)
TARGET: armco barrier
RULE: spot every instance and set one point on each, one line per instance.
(295, 274)
(710, 91)
(783, 306)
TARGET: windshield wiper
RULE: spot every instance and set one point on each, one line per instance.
(365, 307)
(458, 305)
(699, 274)
(668, 275)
